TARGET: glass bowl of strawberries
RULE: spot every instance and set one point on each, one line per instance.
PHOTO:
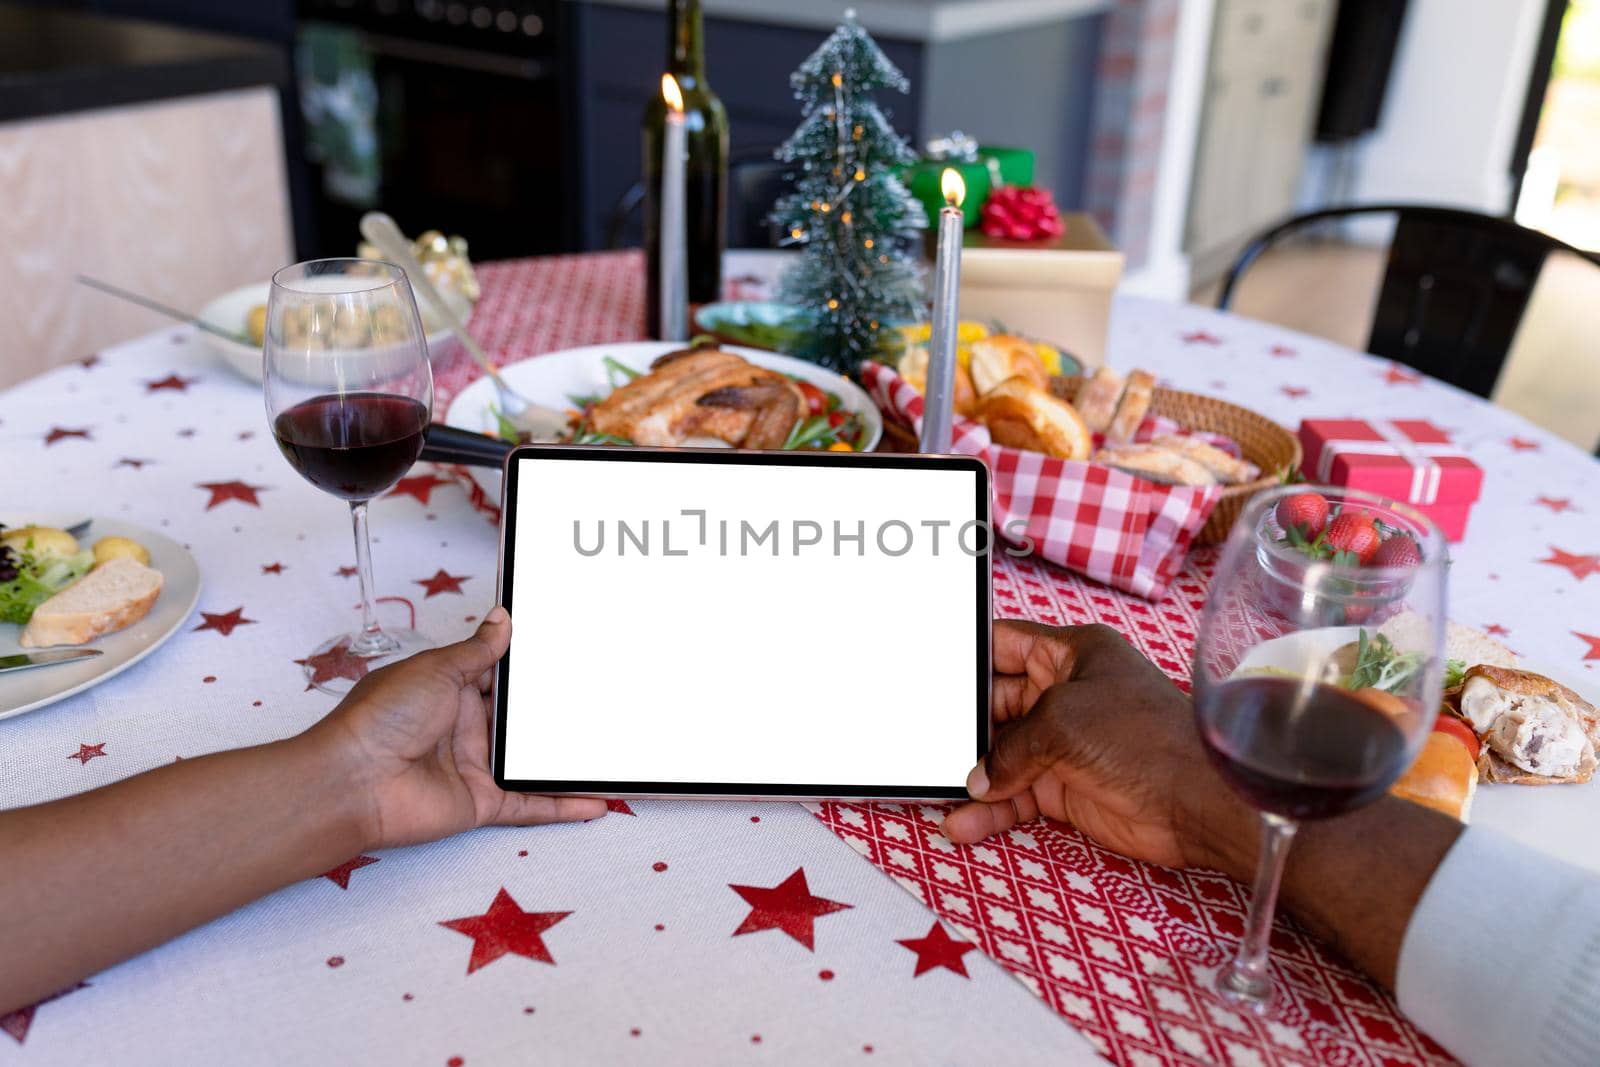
(1368, 545)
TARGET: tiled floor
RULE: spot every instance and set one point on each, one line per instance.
(1552, 377)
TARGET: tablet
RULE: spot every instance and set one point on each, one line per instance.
(743, 624)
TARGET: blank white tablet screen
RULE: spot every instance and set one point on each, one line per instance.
(762, 642)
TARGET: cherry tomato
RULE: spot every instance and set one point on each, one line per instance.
(1449, 724)
(816, 399)
(836, 418)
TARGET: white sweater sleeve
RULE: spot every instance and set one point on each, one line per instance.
(1501, 961)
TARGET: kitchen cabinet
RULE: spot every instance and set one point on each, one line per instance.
(1264, 79)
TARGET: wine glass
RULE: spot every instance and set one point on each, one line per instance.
(1316, 677)
(349, 392)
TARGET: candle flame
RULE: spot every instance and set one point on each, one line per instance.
(671, 93)
(954, 189)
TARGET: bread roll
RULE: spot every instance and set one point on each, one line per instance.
(1443, 777)
(914, 369)
(115, 594)
(994, 359)
(1097, 398)
(1227, 470)
(1156, 464)
(1131, 411)
(1020, 414)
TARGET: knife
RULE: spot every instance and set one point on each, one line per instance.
(24, 660)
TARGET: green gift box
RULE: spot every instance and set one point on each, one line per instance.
(994, 167)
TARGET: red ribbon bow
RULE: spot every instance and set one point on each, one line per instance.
(1019, 213)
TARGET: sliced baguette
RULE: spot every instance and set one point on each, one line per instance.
(115, 594)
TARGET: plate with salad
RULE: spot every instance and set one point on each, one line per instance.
(657, 394)
(110, 586)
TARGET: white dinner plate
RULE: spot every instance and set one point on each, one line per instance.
(553, 377)
(22, 691)
(231, 310)
(1558, 819)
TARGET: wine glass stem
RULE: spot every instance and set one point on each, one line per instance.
(1245, 981)
(370, 641)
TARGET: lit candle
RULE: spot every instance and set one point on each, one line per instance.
(674, 247)
(936, 409)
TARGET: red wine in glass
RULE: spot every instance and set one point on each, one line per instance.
(353, 446)
(349, 392)
(1304, 750)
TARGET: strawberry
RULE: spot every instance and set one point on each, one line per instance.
(1398, 550)
(1307, 512)
(1354, 538)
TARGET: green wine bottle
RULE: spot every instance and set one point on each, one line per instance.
(706, 180)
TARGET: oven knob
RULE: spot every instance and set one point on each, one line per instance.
(506, 21)
(482, 17)
(386, 7)
(431, 10)
(455, 14)
(532, 25)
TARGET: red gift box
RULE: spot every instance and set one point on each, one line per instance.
(1410, 460)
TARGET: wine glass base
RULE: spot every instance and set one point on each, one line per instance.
(1246, 992)
(336, 665)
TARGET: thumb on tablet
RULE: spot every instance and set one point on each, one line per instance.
(1022, 750)
(484, 648)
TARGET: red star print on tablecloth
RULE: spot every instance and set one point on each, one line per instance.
(1557, 504)
(272, 568)
(787, 906)
(86, 753)
(1581, 566)
(58, 433)
(16, 1023)
(136, 464)
(420, 486)
(938, 949)
(619, 807)
(505, 929)
(1398, 375)
(222, 492)
(1522, 444)
(1496, 629)
(1281, 351)
(340, 875)
(175, 382)
(1594, 645)
(336, 662)
(1295, 392)
(346, 572)
(1201, 337)
(224, 623)
(443, 582)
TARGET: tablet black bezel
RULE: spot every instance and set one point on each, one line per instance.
(744, 790)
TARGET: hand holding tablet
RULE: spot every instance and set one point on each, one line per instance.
(688, 623)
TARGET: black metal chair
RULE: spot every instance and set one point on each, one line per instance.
(755, 181)
(1454, 289)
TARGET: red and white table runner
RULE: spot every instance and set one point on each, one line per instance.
(684, 932)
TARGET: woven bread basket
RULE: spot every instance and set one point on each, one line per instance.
(1261, 441)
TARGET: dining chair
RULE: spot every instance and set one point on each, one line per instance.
(1455, 285)
(755, 181)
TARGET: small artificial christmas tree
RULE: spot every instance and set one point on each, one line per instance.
(856, 223)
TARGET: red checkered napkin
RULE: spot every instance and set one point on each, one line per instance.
(1118, 529)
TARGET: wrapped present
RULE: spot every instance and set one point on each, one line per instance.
(1127, 532)
(982, 167)
(1410, 460)
(1058, 290)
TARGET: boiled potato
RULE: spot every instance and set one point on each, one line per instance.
(255, 324)
(40, 541)
(110, 548)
